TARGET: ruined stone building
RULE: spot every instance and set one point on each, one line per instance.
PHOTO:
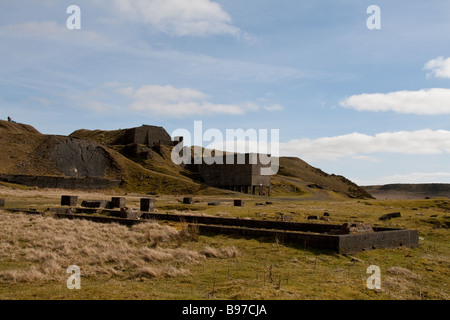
(145, 135)
(243, 176)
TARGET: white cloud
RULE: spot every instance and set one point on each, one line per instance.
(421, 142)
(91, 100)
(439, 68)
(52, 31)
(180, 17)
(423, 102)
(170, 101)
(274, 107)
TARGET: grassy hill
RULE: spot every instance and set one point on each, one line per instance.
(25, 151)
(410, 191)
(142, 168)
(295, 177)
(315, 179)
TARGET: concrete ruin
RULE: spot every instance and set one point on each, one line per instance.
(70, 201)
(147, 205)
(87, 183)
(381, 238)
(100, 204)
(118, 202)
(145, 135)
(346, 238)
(128, 213)
(237, 172)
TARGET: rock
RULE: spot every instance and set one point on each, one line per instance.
(390, 216)
(80, 158)
(313, 218)
(356, 228)
(326, 214)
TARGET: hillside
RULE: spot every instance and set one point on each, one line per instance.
(316, 179)
(295, 177)
(141, 168)
(410, 191)
(25, 151)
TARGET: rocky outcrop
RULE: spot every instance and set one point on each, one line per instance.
(80, 158)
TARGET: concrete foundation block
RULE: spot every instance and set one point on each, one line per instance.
(60, 211)
(118, 202)
(95, 204)
(148, 205)
(70, 201)
(128, 213)
(238, 203)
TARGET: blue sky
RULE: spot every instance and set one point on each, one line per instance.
(372, 105)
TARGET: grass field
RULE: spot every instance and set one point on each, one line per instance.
(162, 261)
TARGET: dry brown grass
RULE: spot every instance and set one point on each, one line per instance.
(41, 248)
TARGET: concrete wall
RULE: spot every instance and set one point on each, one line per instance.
(234, 173)
(353, 243)
(88, 183)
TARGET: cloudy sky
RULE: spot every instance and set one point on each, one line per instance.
(370, 104)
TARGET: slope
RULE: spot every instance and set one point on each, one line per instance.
(295, 177)
(315, 179)
(25, 151)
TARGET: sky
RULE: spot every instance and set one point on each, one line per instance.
(371, 104)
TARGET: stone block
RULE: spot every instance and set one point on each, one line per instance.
(147, 205)
(238, 203)
(70, 201)
(118, 202)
